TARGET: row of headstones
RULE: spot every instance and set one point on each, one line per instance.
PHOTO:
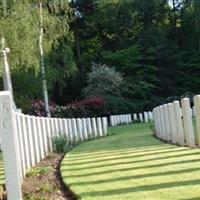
(129, 118)
(145, 117)
(174, 122)
(35, 134)
(26, 140)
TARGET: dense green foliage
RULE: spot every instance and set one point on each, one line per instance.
(60, 144)
(155, 44)
(19, 22)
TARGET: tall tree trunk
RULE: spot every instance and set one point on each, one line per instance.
(42, 66)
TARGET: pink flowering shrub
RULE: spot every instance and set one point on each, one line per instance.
(88, 107)
(38, 107)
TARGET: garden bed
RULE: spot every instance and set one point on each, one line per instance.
(43, 181)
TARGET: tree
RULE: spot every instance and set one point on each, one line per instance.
(103, 80)
(20, 25)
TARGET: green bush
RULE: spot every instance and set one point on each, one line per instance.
(60, 144)
(118, 105)
(103, 80)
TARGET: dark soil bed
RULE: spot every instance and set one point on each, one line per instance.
(44, 182)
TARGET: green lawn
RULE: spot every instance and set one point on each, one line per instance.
(2, 178)
(132, 165)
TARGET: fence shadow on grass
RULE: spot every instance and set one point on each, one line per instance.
(141, 176)
(141, 188)
(130, 155)
(134, 165)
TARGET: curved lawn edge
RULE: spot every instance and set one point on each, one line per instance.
(132, 164)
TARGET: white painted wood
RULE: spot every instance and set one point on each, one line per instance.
(197, 114)
(179, 124)
(187, 122)
(10, 149)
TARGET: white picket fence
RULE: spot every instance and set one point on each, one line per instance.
(174, 122)
(129, 118)
(26, 140)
